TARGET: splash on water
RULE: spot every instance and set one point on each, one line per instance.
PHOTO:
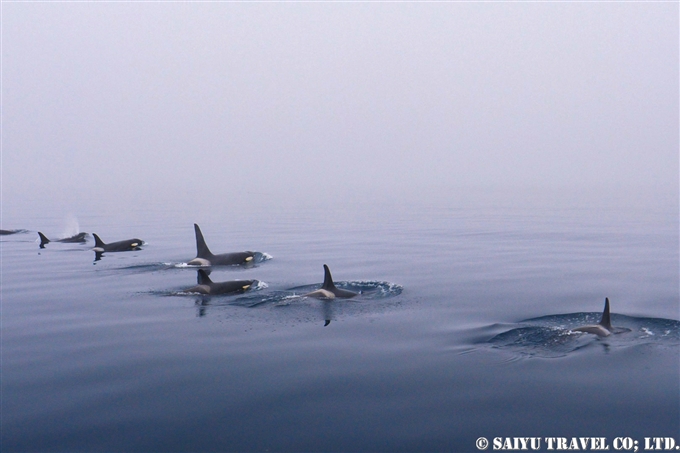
(71, 226)
(552, 336)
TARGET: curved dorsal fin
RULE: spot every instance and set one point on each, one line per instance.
(202, 250)
(203, 278)
(327, 279)
(97, 241)
(606, 321)
(43, 238)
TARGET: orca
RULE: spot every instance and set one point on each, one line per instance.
(204, 257)
(207, 286)
(328, 289)
(120, 246)
(80, 237)
(604, 328)
(7, 232)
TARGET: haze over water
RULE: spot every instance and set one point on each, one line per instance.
(140, 103)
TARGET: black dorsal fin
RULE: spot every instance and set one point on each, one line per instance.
(203, 278)
(606, 320)
(202, 250)
(43, 238)
(327, 279)
(97, 241)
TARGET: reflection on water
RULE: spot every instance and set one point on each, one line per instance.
(295, 300)
(114, 357)
(327, 309)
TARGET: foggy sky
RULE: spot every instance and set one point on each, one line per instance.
(128, 100)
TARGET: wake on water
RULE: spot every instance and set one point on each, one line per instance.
(552, 336)
(366, 291)
(291, 305)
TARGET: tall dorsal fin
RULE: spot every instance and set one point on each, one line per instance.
(606, 320)
(327, 279)
(202, 250)
(43, 238)
(97, 241)
(203, 278)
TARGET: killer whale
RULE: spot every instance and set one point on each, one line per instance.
(120, 246)
(604, 328)
(207, 286)
(78, 238)
(204, 257)
(8, 232)
(328, 289)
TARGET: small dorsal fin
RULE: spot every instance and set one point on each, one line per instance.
(327, 279)
(606, 321)
(202, 250)
(43, 238)
(97, 241)
(203, 278)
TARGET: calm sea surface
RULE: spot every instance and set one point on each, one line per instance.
(109, 355)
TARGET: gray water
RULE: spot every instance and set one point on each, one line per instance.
(109, 355)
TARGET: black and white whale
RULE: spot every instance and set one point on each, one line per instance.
(328, 289)
(78, 238)
(207, 286)
(604, 328)
(204, 257)
(120, 246)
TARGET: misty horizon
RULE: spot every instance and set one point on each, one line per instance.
(142, 102)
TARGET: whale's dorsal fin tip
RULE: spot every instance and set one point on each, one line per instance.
(97, 241)
(202, 250)
(606, 320)
(43, 238)
(327, 279)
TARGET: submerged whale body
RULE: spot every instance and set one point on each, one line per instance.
(204, 257)
(604, 328)
(563, 334)
(328, 289)
(207, 286)
(120, 246)
(8, 232)
(78, 238)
